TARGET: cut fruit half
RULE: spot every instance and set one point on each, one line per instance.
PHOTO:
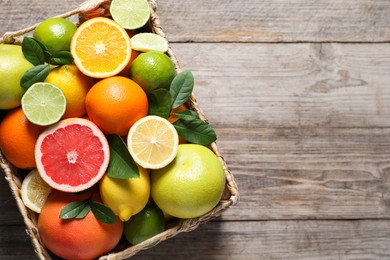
(153, 142)
(101, 47)
(72, 155)
(130, 14)
(149, 42)
(34, 191)
(43, 104)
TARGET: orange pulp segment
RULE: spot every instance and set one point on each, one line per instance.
(101, 48)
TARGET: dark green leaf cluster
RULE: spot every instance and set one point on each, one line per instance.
(36, 53)
(189, 126)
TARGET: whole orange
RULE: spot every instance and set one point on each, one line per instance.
(114, 104)
(85, 238)
(18, 137)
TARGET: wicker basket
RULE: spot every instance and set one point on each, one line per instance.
(87, 10)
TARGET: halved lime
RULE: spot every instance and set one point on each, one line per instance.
(149, 42)
(130, 14)
(43, 104)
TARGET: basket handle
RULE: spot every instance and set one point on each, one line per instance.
(86, 10)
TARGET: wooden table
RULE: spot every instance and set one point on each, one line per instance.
(299, 94)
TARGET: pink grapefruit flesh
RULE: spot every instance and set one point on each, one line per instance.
(72, 155)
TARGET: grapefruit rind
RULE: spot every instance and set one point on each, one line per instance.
(66, 144)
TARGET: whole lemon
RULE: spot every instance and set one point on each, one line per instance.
(126, 197)
(152, 70)
(191, 185)
(75, 86)
(55, 33)
(12, 67)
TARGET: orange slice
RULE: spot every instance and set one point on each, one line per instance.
(101, 48)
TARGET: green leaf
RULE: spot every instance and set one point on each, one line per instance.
(34, 75)
(103, 213)
(33, 51)
(193, 129)
(181, 88)
(75, 209)
(122, 165)
(159, 102)
(61, 58)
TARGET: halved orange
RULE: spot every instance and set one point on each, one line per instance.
(101, 47)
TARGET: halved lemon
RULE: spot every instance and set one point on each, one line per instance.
(153, 142)
(34, 191)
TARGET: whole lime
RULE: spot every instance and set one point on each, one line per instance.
(145, 224)
(152, 70)
(191, 185)
(55, 33)
(12, 67)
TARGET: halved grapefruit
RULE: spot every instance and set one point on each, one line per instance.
(72, 155)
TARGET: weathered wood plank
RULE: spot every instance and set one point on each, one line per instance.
(240, 21)
(308, 173)
(290, 85)
(311, 239)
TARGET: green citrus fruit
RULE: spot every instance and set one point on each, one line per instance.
(145, 224)
(55, 33)
(191, 185)
(12, 67)
(153, 70)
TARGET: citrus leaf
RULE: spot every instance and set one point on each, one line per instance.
(33, 51)
(34, 75)
(61, 58)
(181, 88)
(103, 213)
(122, 165)
(159, 102)
(75, 209)
(193, 129)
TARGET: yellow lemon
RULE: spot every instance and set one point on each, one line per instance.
(126, 197)
(75, 86)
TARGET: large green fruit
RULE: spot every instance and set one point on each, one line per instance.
(191, 185)
(12, 67)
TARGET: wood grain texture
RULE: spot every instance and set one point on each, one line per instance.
(241, 21)
(298, 92)
(290, 85)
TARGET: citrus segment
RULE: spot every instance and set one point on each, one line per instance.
(72, 155)
(44, 104)
(149, 42)
(96, 52)
(34, 191)
(153, 142)
(130, 14)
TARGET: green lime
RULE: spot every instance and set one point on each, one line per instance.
(149, 42)
(12, 67)
(145, 224)
(55, 33)
(152, 70)
(130, 14)
(43, 104)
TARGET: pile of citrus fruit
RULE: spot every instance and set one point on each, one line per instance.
(95, 116)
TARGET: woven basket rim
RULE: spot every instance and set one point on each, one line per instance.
(230, 198)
